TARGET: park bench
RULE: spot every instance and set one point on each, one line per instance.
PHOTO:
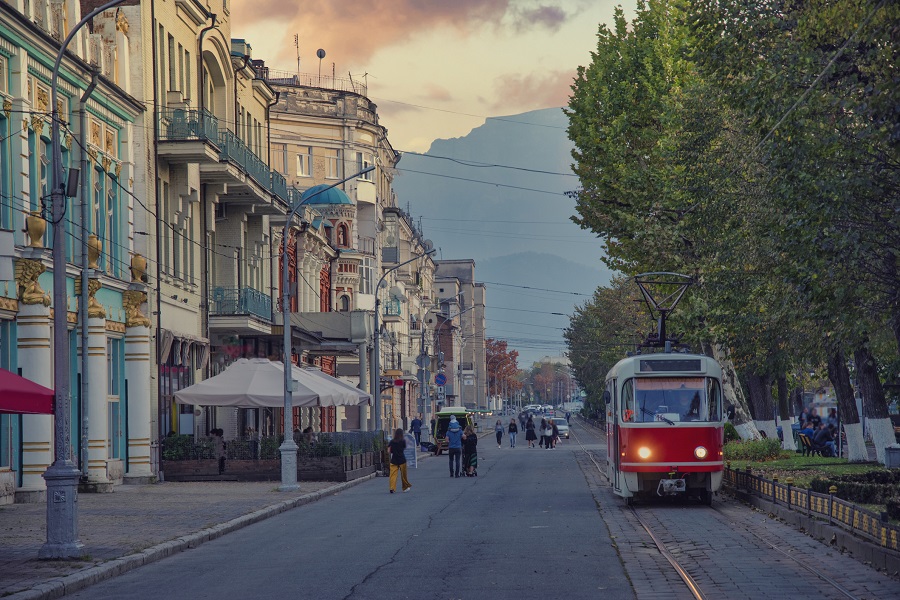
(807, 447)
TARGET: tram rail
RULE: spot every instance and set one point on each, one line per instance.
(692, 585)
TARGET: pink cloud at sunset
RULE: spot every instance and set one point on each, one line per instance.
(533, 90)
(351, 31)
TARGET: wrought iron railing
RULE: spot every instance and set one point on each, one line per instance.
(825, 506)
(235, 150)
(241, 301)
(311, 80)
(392, 308)
(179, 124)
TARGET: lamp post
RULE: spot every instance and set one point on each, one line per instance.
(288, 448)
(62, 476)
(376, 350)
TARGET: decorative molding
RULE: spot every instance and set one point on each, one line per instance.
(7, 107)
(37, 123)
(117, 327)
(132, 301)
(121, 21)
(10, 304)
(28, 289)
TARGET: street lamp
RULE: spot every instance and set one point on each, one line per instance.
(288, 448)
(62, 476)
(376, 362)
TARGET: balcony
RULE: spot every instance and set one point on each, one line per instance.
(365, 245)
(240, 310)
(235, 150)
(392, 311)
(188, 135)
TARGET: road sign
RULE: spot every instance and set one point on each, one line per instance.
(440, 379)
(441, 394)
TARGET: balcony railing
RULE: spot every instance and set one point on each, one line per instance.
(178, 124)
(279, 186)
(235, 150)
(241, 301)
(392, 308)
(311, 80)
(366, 245)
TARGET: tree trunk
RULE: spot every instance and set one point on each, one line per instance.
(797, 401)
(840, 379)
(784, 414)
(875, 408)
(760, 387)
(733, 394)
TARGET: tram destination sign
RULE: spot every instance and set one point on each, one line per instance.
(670, 365)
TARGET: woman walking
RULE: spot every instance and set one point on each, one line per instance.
(470, 452)
(513, 430)
(498, 429)
(397, 446)
(529, 432)
(554, 434)
(545, 435)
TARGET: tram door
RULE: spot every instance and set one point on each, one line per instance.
(612, 441)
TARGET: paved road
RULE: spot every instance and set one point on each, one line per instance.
(527, 527)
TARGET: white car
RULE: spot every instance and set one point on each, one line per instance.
(563, 426)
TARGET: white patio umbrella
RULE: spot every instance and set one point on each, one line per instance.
(363, 398)
(258, 383)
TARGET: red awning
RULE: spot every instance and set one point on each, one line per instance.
(23, 396)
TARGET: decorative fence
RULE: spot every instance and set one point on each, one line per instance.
(826, 506)
(317, 445)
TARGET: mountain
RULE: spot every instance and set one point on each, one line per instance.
(497, 195)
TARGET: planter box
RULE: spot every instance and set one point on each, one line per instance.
(892, 457)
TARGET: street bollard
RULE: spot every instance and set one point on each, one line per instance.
(775, 489)
(790, 482)
(831, 492)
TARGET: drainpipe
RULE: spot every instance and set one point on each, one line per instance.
(203, 32)
(269, 130)
(85, 271)
(204, 276)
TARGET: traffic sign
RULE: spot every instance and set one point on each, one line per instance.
(441, 394)
(440, 379)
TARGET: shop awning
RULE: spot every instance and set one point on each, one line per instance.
(23, 396)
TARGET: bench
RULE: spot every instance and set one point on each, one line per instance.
(807, 447)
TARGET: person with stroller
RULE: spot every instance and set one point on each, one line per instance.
(470, 452)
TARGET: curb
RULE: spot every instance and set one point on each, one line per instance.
(69, 584)
(862, 550)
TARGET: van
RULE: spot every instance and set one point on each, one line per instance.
(442, 422)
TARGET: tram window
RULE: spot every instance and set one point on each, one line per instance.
(672, 399)
(628, 401)
(713, 393)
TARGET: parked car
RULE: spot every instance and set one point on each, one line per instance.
(443, 421)
(563, 427)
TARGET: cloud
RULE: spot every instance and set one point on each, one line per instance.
(436, 93)
(550, 17)
(515, 92)
(351, 31)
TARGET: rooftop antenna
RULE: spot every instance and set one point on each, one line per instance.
(297, 46)
(321, 54)
(669, 287)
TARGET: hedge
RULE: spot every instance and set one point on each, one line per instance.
(874, 487)
(756, 450)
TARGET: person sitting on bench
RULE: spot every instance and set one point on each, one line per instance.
(824, 440)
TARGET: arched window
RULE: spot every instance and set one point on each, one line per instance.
(345, 303)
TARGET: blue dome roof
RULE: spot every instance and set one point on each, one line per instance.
(315, 195)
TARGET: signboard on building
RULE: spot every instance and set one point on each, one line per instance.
(468, 380)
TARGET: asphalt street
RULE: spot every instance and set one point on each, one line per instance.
(527, 527)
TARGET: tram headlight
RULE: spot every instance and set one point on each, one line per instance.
(644, 452)
(700, 452)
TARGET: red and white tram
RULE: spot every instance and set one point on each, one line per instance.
(665, 426)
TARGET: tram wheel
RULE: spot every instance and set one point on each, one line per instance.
(706, 497)
(629, 501)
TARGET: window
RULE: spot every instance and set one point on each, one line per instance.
(9, 424)
(115, 360)
(345, 303)
(6, 207)
(366, 276)
(670, 399)
(187, 74)
(304, 162)
(364, 161)
(4, 75)
(173, 81)
(332, 163)
(172, 378)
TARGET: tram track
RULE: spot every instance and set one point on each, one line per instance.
(692, 585)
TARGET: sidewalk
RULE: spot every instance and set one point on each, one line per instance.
(136, 525)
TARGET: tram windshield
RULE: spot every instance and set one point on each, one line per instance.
(671, 400)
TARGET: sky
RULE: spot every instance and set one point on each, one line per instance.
(435, 68)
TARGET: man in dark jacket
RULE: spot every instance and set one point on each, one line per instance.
(454, 445)
(416, 428)
(824, 438)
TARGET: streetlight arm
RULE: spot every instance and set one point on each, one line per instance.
(289, 448)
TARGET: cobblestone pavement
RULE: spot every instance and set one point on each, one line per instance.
(728, 550)
(129, 520)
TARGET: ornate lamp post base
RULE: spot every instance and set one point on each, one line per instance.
(62, 517)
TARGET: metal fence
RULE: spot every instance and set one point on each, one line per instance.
(178, 124)
(826, 506)
(343, 443)
(240, 301)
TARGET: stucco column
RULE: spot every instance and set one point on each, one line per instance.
(98, 408)
(33, 328)
(137, 373)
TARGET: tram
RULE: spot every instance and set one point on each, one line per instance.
(665, 426)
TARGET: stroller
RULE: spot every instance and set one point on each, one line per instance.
(470, 460)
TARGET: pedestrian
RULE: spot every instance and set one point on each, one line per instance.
(814, 418)
(513, 431)
(416, 429)
(554, 434)
(498, 429)
(470, 452)
(543, 432)
(530, 436)
(832, 419)
(433, 430)
(397, 447)
(523, 418)
(568, 416)
(220, 448)
(454, 445)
